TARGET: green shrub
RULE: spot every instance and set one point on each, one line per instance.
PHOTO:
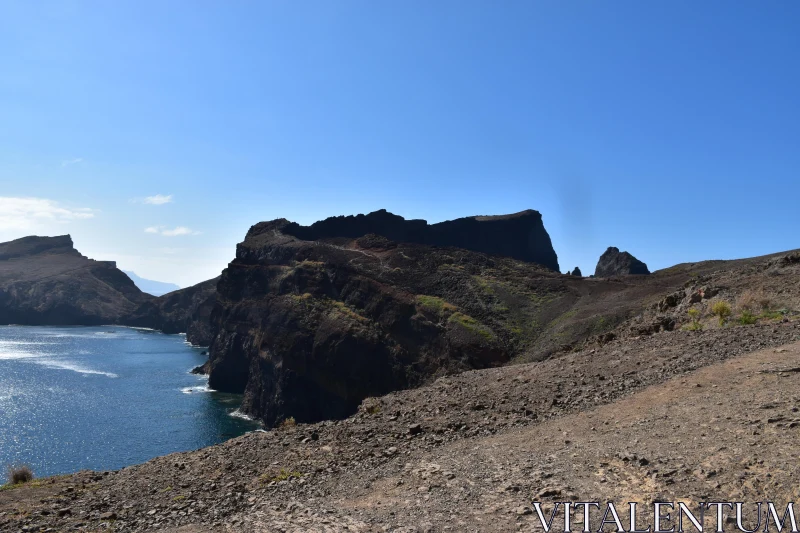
(747, 318)
(288, 422)
(695, 324)
(470, 324)
(433, 304)
(722, 310)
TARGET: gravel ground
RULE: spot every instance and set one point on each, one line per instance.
(680, 415)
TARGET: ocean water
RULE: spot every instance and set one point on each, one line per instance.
(101, 398)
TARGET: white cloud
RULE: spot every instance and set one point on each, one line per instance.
(158, 199)
(175, 232)
(28, 213)
(68, 162)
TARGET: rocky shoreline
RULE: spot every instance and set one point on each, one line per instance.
(409, 446)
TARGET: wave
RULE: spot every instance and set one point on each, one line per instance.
(238, 414)
(197, 388)
(137, 328)
(68, 365)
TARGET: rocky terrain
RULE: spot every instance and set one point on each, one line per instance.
(520, 384)
(681, 415)
(44, 280)
(309, 321)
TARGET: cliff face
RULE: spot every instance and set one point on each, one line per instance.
(44, 280)
(616, 263)
(186, 310)
(311, 320)
(520, 235)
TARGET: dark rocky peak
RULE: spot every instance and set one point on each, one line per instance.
(616, 263)
(33, 245)
(577, 272)
(520, 235)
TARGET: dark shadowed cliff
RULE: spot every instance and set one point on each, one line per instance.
(519, 235)
(44, 280)
(311, 320)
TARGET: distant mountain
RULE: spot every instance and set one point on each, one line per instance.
(156, 288)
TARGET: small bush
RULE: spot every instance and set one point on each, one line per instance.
(722, 310)
(695, 324)
(432, 304)
(747, 318)
(752, 300)
(19, 474)
(288, 422)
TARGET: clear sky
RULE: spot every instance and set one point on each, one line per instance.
(157, 132)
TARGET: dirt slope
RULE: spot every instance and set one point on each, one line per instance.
(469, 452)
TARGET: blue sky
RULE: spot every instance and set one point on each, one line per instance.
(669, 129)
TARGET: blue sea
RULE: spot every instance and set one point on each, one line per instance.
(101, 398)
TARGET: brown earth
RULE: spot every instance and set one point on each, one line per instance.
(682, 415)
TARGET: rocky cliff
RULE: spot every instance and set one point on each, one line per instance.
(311, 320)
(44, 280)
(616, 263)
(519, 235)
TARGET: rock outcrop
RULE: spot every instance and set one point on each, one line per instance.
(576, 272)
(311, 320)
(615, 263)
(45, 281)
(520, 235)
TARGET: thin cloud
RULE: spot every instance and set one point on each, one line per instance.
(68, 162)
(174, 232)
(27, 213)
(158, 199)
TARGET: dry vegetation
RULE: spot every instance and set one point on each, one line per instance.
(19, 474)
